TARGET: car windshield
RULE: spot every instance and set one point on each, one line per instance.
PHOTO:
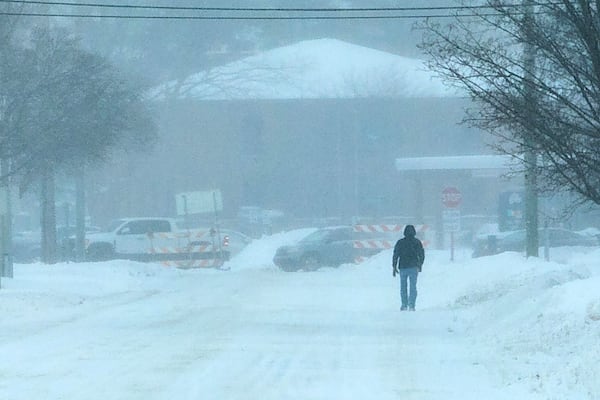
(114, 224)
(317, 236)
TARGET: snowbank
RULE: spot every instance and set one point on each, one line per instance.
(525, 327)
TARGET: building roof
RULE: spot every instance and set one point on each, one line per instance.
(311, 69)
(501, 162)
(480, 165)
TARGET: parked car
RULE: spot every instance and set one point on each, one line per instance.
(516, 240)
(155, 239)
(328, 246)
(27, 245)
(325, 247)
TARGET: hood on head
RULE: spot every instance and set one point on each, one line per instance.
(409, 230)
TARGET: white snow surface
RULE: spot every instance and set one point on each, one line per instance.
(500, 327)
(320, 68)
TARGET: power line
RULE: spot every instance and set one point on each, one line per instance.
(217, 17)
(260, 9)
(261, 13)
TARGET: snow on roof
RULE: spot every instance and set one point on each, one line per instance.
(322, 68)
(501, 162)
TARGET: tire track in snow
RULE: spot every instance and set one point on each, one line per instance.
(136, 341)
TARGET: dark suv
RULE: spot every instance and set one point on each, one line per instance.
(330, 247)
(516, 241)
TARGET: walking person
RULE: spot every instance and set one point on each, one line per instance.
(408, 261)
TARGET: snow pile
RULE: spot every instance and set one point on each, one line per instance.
(538, 319)
(259, 253)
(488, 328)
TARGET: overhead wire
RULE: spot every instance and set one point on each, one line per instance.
(337, 13)
(257, 9)
(238, 17)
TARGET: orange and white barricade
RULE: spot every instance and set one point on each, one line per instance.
(374, 238)
(194, 249)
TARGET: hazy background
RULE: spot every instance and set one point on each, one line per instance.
(316, 160)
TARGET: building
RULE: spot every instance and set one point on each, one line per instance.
(311, 129)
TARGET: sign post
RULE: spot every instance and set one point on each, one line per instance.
(199, 202)
(451, 199)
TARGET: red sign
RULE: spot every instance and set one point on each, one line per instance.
(451, 197)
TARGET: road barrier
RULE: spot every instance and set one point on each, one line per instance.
(372, 239)
(185, 250)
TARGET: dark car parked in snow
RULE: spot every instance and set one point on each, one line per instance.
(515, 241)
(27, 245)
(329, 247)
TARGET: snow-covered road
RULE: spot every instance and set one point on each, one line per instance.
(123, 330)
(263, 335)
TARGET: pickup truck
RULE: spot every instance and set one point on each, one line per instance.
(157, 239)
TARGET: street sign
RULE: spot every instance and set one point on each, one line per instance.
(511, 211)
(451, 197)
(451, 219)
(199, 202)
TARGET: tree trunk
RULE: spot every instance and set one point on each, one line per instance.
(531, 206)
(80, 214)
(531, 197)
(48, 217)
(6, 267)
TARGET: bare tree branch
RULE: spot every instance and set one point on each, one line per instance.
(561, 121)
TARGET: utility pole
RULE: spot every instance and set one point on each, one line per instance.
(80, 214)
(531, 197)
(6, 267)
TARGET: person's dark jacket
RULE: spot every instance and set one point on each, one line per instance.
(408, 251)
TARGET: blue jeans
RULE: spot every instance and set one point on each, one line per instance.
(408, 297)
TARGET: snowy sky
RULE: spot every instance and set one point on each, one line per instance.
(499, 327)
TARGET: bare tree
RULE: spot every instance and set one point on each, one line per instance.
(68, 109)
(9, 63)
(9, 28)
(550, 107)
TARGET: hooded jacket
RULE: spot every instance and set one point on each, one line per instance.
(408, 251)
